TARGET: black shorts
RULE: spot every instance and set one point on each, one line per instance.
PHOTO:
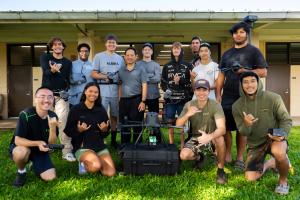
(230, 123)
(41, 161)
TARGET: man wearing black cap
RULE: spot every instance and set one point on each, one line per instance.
(240, 58)
(263, 118)
(154, 75)
(208, 126)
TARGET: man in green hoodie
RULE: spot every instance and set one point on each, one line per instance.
(255, 113)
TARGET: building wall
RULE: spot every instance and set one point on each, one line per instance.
(3, 79)
(295, 91)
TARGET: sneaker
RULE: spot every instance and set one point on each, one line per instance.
(221, 176)
(81, 168)
(199, 163)
(69, 157)
(282, 189)
(20, 179)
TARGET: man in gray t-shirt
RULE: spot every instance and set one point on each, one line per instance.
(106, 66)
(133, 94)
(153, 71)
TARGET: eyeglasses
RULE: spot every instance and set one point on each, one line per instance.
(44, 97)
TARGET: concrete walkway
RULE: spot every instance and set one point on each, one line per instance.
(8, 124)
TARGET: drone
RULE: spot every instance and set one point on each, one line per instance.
(112, 79)
(235, 67)
(150, 123)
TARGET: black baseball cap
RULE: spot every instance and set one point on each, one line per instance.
(147, 44)
(202, 83)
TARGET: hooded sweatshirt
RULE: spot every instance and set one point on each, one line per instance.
(182, 90)
(270, 110)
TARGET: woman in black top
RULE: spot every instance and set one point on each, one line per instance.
(88, 125)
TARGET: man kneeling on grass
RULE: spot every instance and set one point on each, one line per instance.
(207, 119)
(257, 114)
(37, 127)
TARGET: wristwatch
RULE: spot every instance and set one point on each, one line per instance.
(143, 101)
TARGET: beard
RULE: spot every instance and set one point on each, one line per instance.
(241, 42)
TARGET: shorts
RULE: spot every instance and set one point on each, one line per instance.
(79, 152)
(230, 123)
(194, 145)
(172, 109)
(113, 104)
(256, 157)
(41, 161)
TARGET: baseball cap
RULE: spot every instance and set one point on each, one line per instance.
(147, 44)
(202, 83)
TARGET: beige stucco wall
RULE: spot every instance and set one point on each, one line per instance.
(3, 79)
(295, 91)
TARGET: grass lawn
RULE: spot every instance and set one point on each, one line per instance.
(188, 184)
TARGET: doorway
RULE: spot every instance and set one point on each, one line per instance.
(278, 81)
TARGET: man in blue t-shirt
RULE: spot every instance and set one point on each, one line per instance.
(36, 127)
(106, 66)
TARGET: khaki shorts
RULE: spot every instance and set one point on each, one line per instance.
(79, 152)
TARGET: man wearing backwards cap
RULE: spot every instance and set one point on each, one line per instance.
(154, 75)
(208, 126)
(250, 59)
(255, 112)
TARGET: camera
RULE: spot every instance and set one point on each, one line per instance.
(236, 66)
(168, 94)
(278, 132)
(78, 79)
(64, 95)
(112, 77)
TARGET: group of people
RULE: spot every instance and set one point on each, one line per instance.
(89, 99)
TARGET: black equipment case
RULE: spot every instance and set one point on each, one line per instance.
(140, 159)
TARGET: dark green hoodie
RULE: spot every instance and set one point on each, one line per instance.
(270, 110)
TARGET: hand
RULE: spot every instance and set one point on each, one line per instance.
(204, 138)
(52, 122)
(276, 138)
(241, 70)
(41, 145)
(106, 79)
(193, 75)
(249, 120)
(192, 110)
(142, 107)
(82, 127)
(54, 67)
(176, 79)
(103, 126)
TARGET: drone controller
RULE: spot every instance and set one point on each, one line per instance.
(54, 146)
(278, 132)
